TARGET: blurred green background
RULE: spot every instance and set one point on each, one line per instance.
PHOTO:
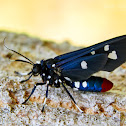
(83, 22)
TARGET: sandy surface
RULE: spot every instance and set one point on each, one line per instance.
(100, 109)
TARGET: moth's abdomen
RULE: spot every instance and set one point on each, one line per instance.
(95, 84)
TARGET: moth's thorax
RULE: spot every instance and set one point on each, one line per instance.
(49, 73)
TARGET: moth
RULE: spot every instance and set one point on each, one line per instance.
(75, 68)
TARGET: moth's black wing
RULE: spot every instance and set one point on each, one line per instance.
(93, 47)
(120, 49)
(112, 50)
(84, 67)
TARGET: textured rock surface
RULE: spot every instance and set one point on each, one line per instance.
(100, 109)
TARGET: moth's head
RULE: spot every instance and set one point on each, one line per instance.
(36, 69)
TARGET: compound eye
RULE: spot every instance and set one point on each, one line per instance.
(36, 69)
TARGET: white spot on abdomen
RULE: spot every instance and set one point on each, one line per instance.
(93, 52)
(112, 55)
(106, 48)
(84, 84)
(83, 65)
(77, 84)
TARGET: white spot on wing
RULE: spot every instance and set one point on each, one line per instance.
(77, 84)
(84, 84)
(112, 55)
(106, 48)
(93, 52)
(83, 65)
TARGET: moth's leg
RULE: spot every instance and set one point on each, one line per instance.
(22, 74)
(71, 97)
(33, 91)
(26, 79)
(45, 98)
